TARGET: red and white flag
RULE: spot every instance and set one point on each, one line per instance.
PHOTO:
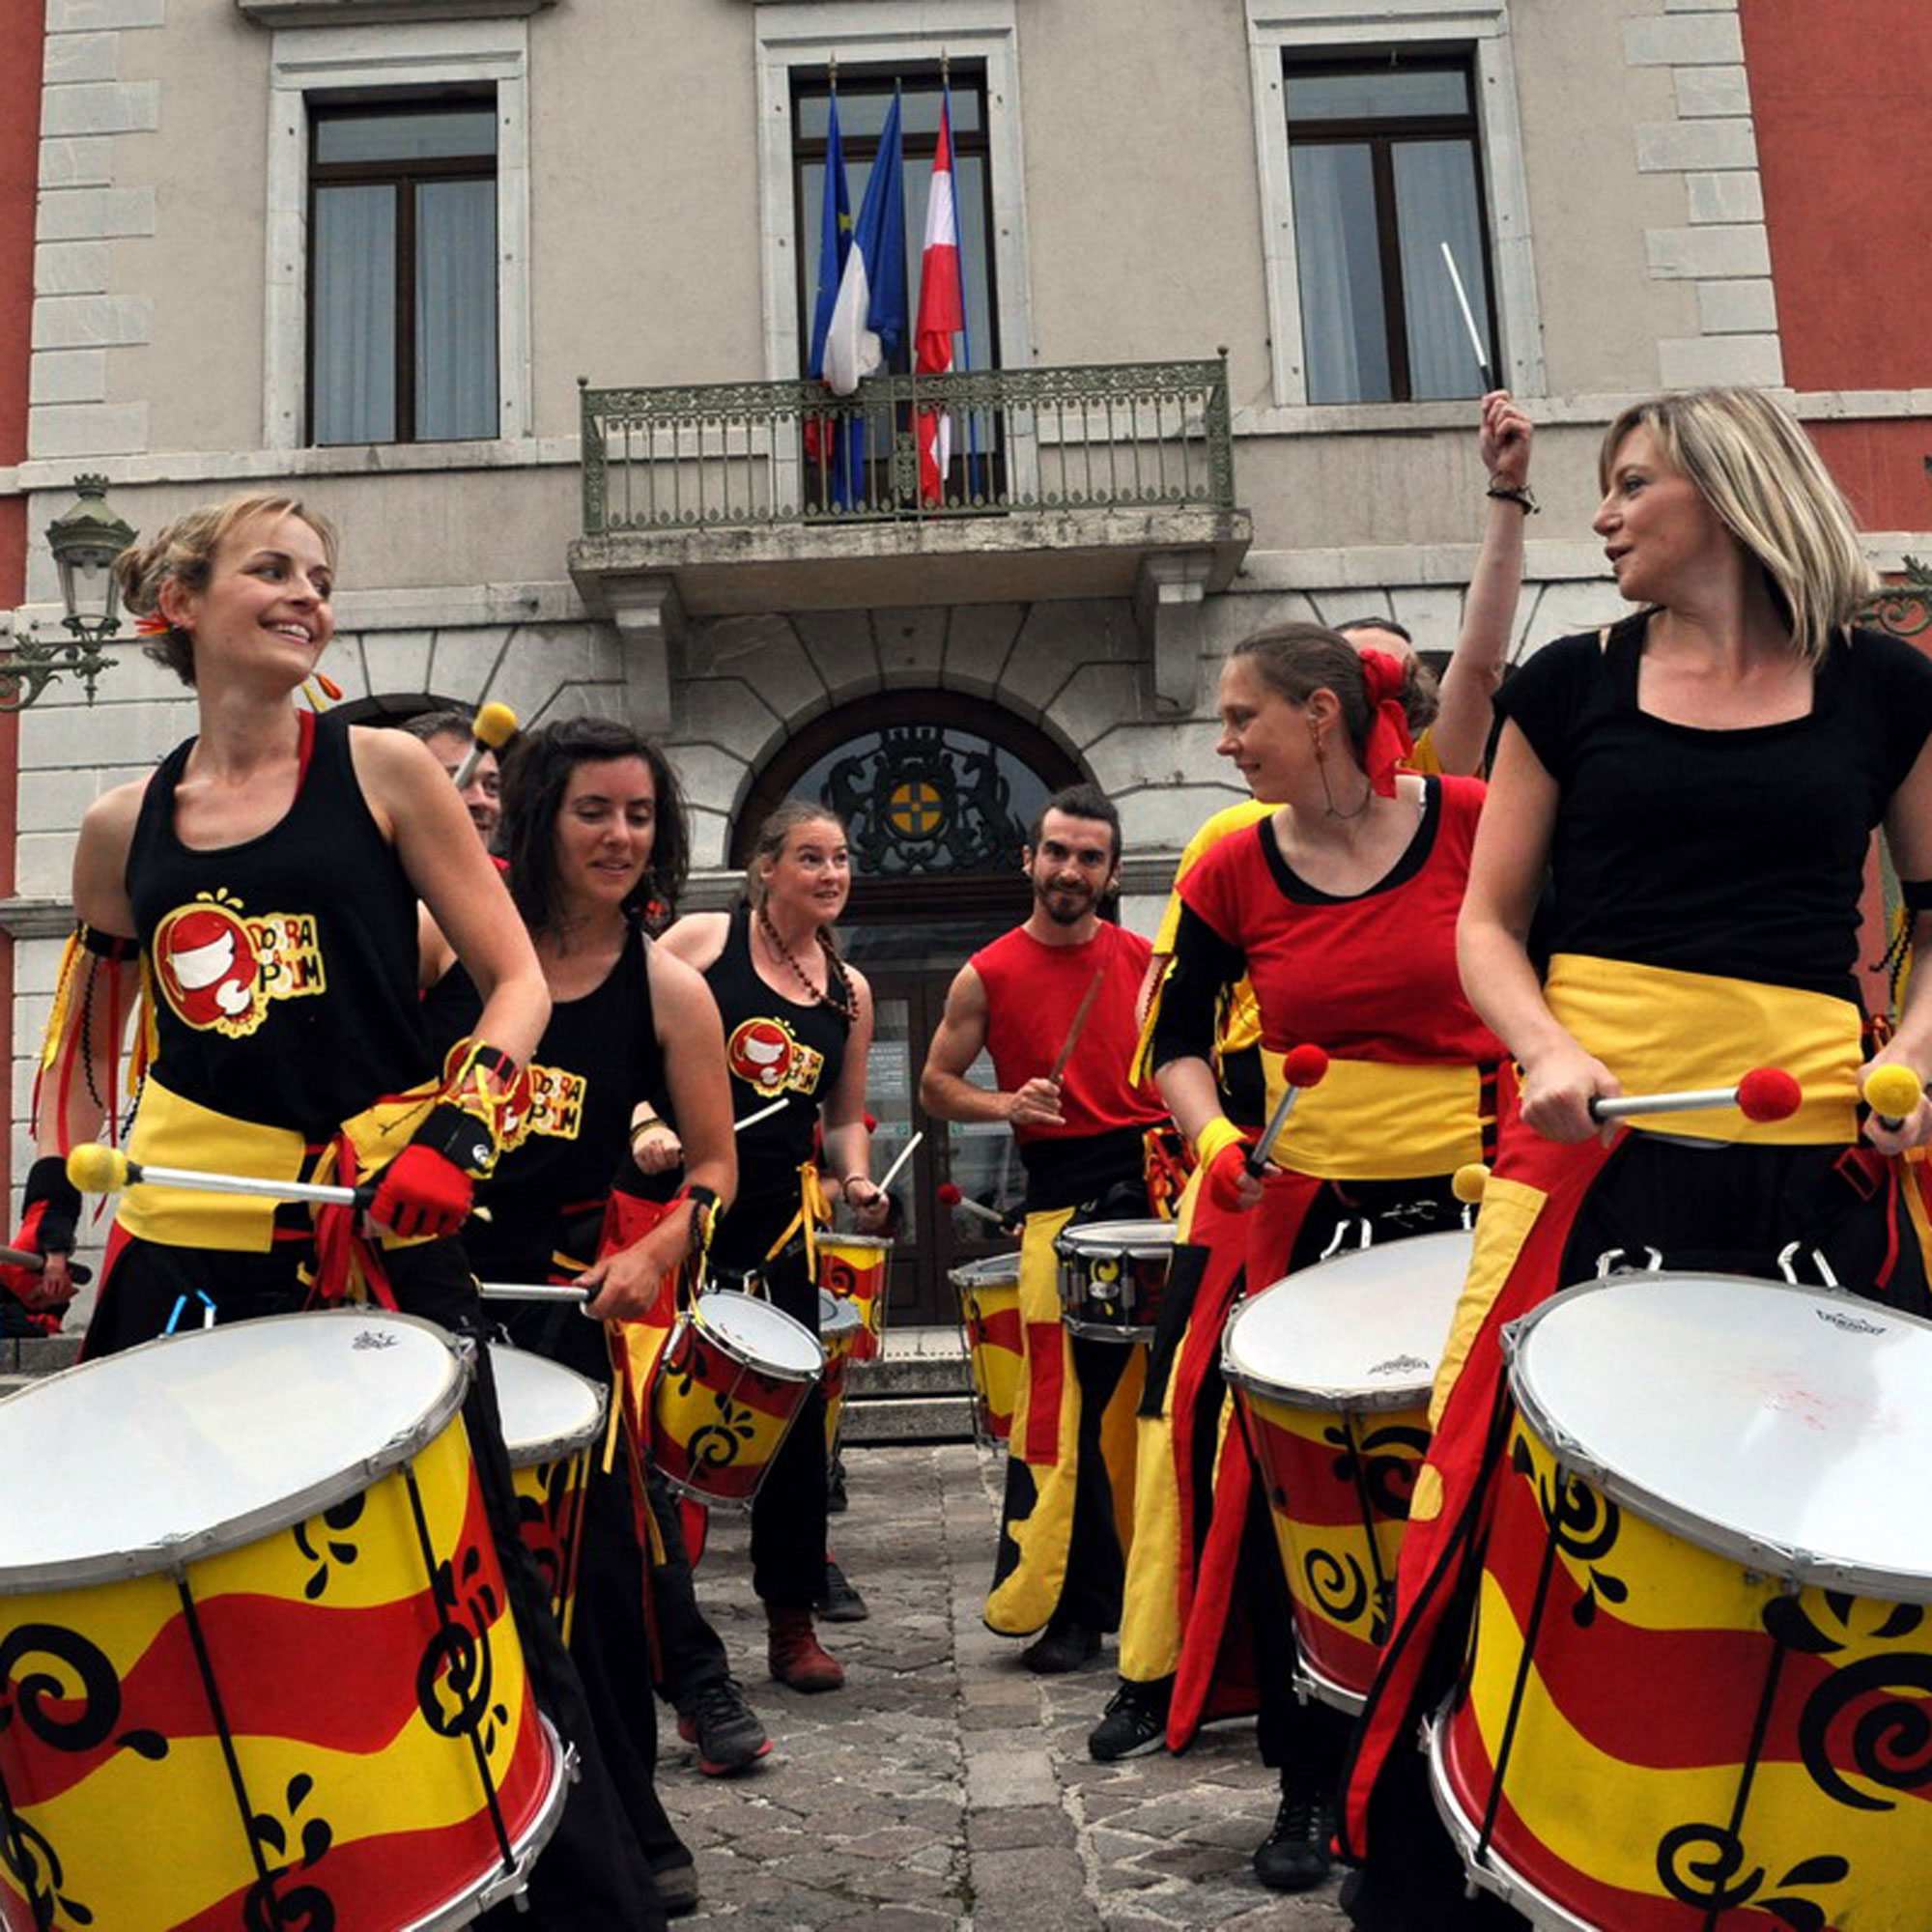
(941, 314)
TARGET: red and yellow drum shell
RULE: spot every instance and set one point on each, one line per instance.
(840, 1327)
(1338, 1485)
(345, 1676)
(853, 1267)
(989, 1320)
(731, 1384)
(553, 1423)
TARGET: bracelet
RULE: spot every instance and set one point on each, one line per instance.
(845, 1182)
(703, 1212)
(643, 1126)
(1519, 497)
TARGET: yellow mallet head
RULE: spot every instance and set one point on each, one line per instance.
(1892, 1090)
(495, 725)
(1468, 1180)
(95, 1169)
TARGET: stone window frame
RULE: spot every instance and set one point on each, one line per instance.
(1276, 27)
(395, 59)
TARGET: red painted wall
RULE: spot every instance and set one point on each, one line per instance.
(22, 43)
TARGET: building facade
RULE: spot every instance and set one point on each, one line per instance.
(522, 294)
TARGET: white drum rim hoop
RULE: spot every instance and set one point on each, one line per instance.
(737, 1351)
(173, 1554)
(830, 1240)
(1109, 1237)
(841, 1317)
(1002, 1271)
(534, 1454)
(1762, 1556)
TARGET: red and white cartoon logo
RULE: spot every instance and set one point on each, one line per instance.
(219, 970)
(763, 1054)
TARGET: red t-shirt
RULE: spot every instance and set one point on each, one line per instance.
(1034, 990)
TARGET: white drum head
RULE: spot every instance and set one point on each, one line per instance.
(988, 1271)
(838, 1315)
(1362, 1331)
(1118, 1237)
(211, 1439)
(548, 1410)
(1783, 1425)
(757, 1333)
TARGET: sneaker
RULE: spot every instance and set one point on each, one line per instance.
(677, 1889)
(1135, 1720)
(1294, 1855)
(1066, 1648)
(723, 1726)
(839, 1602)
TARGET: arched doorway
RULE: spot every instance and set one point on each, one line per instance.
(937, 791)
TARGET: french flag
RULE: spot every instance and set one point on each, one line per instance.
(941, 312)
(868, 315)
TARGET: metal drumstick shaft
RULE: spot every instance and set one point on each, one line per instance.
(517, 1290)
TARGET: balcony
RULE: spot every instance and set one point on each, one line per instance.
(733, 499)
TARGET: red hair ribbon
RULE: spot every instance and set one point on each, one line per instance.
(1389, 741)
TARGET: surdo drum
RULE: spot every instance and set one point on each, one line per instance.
(1332, 1368)
(732, 1380)
(553, 1418)
(1700, 1690)
(257, 1663)
(853, 1267)
(1113, 1277)
(839, 1328)
(989, 1317)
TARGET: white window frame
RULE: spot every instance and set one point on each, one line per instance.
(1280, 27)
(308, 60)
(804, 33)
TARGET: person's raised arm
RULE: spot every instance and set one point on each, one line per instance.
(1908, 833)
(945, 1092)
(848, 1141)
(1460, 732)
(1506, 869)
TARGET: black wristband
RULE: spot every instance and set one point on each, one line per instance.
(458, 1137)
(1519, 497)
(58, 1200)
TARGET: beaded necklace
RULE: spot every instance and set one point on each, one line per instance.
(848, 1007)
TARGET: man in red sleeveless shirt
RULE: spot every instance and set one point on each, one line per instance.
(1080, 1129)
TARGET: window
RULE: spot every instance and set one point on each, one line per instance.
(1385, 176)
(402, 272)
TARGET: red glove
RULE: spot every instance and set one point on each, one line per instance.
(1224, 1175)
(425, 1190)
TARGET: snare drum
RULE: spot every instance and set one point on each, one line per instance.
(1700, 1690)
(1332, 1369)
(553, 1418)
(1113, 1276)
(257, 1663)
(839, 1328)
(989, 1319)
(853, 1267)
(732, 1380)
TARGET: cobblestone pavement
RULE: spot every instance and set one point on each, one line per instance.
(945, 1786)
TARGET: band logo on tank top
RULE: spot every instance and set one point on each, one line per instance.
(763, 1053)
(544, 1100)
(220, 968)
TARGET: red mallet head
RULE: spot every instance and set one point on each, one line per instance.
(947, 1195)
(871, 1124)
(1304, 1065)
(1768, 1094)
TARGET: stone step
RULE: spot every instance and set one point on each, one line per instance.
(39, 1355)
(925, 1418)
(907, 1375)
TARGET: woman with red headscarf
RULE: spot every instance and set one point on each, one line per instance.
(1340, 907)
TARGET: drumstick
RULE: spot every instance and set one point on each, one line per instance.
(948, 1196)
(1073, 1031)
(95, 1169)
(904, 1155)
(517, 1290)
(494, 727)
(777, 1106)
(33, 1264)
(1764, 1093)
(1468, 320)
(1301, 1067)
(1891, 1092)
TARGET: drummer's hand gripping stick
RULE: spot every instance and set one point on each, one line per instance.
(495, 725)
(1301, 1067)
(1891, 1092)
(1765, 1094)
(95, 1169)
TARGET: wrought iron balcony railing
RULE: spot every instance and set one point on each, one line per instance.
(730, 455)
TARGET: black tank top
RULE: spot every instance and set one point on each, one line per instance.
(598, 1057)
(284, 968)
(773, 1046)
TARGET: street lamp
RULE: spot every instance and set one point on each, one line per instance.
(85, 542)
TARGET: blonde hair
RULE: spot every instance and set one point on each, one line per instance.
(1769, 487)
(183, 552)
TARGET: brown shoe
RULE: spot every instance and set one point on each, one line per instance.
(795, 1653)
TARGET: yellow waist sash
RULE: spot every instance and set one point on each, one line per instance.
(170, 1131)
(1371, 1121)
(1660, 1031)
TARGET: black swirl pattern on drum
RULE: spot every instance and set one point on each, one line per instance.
(336, 1522)
(81, 1671)
(1713, 1882)
(1337, 1585)
(457, 1674)
(1873, 1713)
(304, 1908)
(1391, 1458)
(34, 1867)
(1582, 1522)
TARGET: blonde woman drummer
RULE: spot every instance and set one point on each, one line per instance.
(798, 1027)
